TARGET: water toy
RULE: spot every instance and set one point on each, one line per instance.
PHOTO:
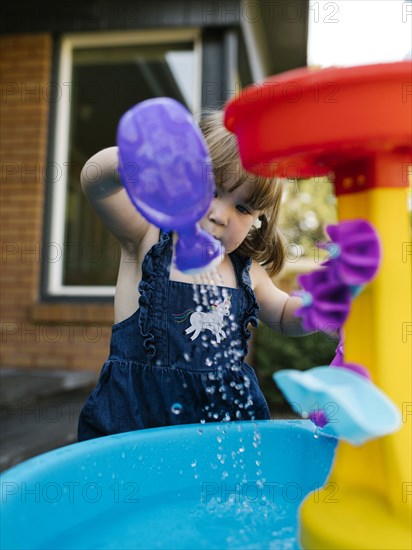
(364, 412)
(218, 485)
(341, 401)
(353, 123)
(165, 166)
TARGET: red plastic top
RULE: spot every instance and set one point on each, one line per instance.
(310, 122)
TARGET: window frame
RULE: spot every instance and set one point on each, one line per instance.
(57, 170)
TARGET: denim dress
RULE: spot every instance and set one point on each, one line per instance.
(179, 359)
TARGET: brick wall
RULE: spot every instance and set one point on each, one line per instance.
(34, 334)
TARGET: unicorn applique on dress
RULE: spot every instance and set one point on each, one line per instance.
(212, 320)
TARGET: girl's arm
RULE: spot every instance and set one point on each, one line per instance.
(102, 186)
(276, 307)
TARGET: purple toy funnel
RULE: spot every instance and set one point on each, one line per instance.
(166, 169)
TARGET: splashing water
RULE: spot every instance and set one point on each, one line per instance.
(209, 288)
(232, 357)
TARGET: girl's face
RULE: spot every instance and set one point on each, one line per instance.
(230, 216)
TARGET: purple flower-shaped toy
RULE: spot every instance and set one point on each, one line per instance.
(358, 253)
(326, 301)
(327, 292)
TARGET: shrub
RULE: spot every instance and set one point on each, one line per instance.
(273, 352)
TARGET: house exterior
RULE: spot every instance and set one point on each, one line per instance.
(68, 72)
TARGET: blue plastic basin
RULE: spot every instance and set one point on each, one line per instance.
(223, 485)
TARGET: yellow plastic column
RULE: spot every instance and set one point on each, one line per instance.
(368, 502)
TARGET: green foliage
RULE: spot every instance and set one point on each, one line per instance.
(307, 206)
(273, 352)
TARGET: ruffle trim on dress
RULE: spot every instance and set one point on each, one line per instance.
(147, 290)
(252, 307)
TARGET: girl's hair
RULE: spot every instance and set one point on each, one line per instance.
(264, 244)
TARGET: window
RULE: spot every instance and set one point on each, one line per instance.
(101, 77)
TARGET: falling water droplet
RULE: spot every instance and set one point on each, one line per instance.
(176, 408)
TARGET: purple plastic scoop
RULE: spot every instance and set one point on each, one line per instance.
(165, 166)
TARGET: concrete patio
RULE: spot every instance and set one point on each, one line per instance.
(39, 411)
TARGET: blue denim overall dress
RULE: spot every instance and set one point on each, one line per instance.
(178, 359)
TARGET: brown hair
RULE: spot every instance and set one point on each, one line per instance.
(263, 244)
